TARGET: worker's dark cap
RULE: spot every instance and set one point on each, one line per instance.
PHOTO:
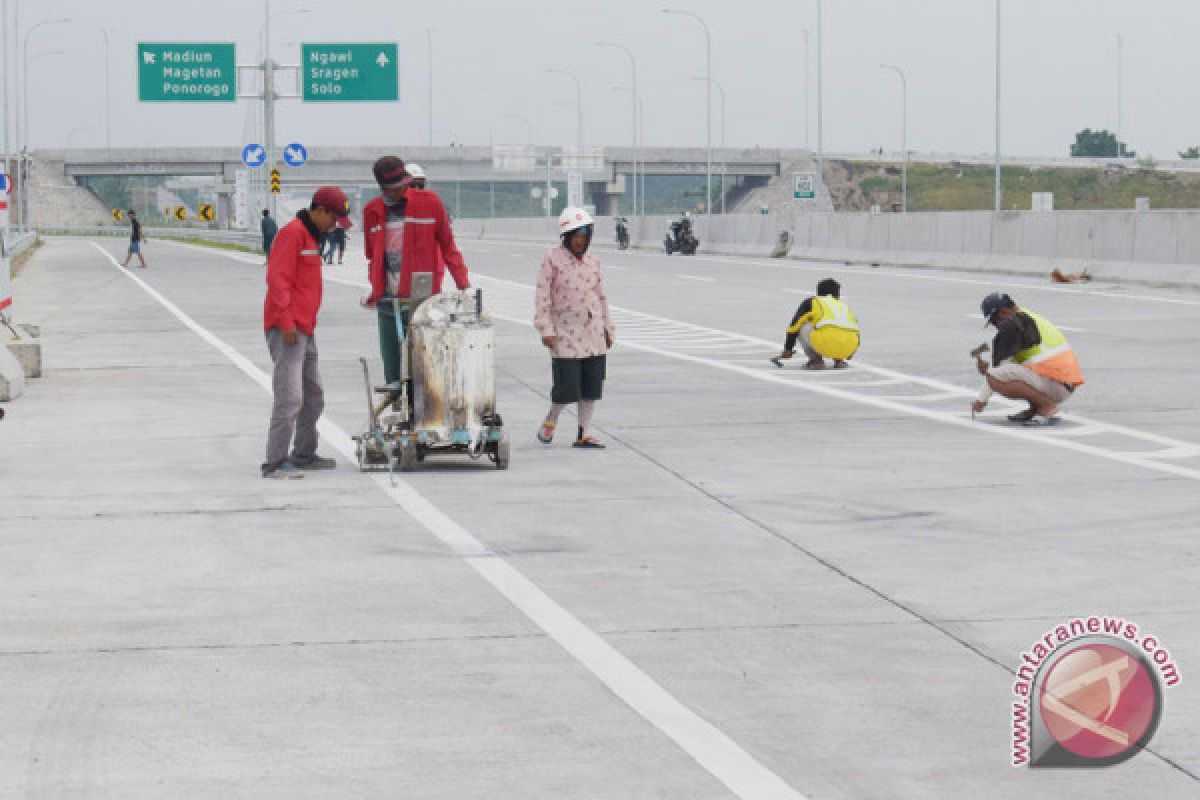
(993, 303)
(390, 173)
(331, 198)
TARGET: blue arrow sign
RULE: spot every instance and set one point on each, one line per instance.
(254, 155)
(295, 154)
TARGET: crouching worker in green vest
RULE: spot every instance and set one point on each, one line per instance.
(1031, 361)
(826, 328)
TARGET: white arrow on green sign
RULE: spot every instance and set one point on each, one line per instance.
(187, 72)
(357, 72)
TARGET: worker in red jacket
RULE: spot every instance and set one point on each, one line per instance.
(404, 231)
(290, 319)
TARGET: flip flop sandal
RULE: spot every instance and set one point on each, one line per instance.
(546, 432)
(777, 362)
(814, 367)
(1042, 422)
(842, 365)
(590, 442)
(1022, 416)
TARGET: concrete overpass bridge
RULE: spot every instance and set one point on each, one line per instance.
(606, 171)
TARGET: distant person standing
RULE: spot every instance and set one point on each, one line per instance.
(136, 237)
(294, 287)
(269, 229)
(336, 243)
(417, 172)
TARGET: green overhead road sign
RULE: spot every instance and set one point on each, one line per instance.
(358, 72)
(186, 72)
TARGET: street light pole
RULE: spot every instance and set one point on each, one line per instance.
(22, 126)
(820, 96)
(903, 135)
(1120, 88)
(999, 189)
(25, 92)
(268, 96)
(579, 112)
(429, 39)
(634, 103)
(721, 92)
(107, 96)
(807, 99)
(707, 100)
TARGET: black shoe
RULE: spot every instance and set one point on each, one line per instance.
(316, 462)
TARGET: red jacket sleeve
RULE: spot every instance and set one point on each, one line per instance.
(374, 217)
(282, 264)
(450, 254)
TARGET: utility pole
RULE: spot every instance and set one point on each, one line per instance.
(999, 189)
(1120, 88)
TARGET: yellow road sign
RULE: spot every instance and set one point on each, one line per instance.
(180, 213)
(206, 212)
(275, 180)
(118, 215)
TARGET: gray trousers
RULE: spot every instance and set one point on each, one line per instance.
(299, 398)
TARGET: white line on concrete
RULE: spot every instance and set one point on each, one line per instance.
(949, 418)
(697, 278)
(711, 749)
(1035, 435)
(999, 281)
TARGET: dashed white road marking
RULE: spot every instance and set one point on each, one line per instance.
(700, 278)
(746, 777)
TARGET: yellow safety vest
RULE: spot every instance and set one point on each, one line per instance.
(833, 314)
(1053, 357)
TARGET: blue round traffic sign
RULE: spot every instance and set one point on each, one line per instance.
(295, 154)
(254, 155)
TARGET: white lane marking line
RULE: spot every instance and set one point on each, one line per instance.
(921, 398)
(890, 272)
(961, 420)
(1023, 433)
(1174, 452)
(1068, 328)
(697, 278)
(616, 267)
(904, 273)
(713, 750)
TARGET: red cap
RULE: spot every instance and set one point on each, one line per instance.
(331, 198)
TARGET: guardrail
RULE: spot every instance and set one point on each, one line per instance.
(17, 243)
(230, 237)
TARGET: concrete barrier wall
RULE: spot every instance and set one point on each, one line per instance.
(1154, 247)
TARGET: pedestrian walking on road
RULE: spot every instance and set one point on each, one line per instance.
(136, 238)
(336, 244)
(572, 317)
(294, 289)
(405, 231)
(825, 327)
(1031, 361)
(269, 229)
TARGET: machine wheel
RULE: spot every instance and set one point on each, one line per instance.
(406, 457)
(502, 454)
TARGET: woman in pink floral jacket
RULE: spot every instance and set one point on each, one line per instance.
(572, 317)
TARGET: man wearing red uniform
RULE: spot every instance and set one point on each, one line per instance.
(404, 231)
(294, 289)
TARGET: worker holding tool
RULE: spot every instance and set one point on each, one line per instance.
(405, 231)
(826, 328)
(571, 315)
(1031, 361)
(294, 289)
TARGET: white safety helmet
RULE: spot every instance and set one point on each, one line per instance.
(415, 170)
(572, 219)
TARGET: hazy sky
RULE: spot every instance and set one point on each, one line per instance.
(490, 60)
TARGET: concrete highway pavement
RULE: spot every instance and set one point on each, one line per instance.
(799, 584)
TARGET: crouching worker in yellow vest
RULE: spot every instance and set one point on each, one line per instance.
(826, 328)
(1031, 361)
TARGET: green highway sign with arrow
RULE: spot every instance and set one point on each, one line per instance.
(186, 72)
(357, 72)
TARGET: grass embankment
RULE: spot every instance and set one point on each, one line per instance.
(17, 264)
(241, 248)
(933, 187)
